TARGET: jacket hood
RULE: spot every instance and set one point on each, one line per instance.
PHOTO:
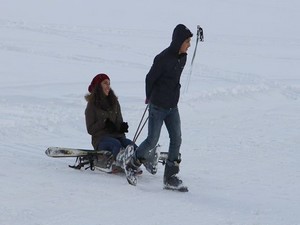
(180, 34)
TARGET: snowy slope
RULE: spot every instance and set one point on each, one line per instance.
(240, 114)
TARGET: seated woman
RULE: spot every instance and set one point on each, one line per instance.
(103, 117)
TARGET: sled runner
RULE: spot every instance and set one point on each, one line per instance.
(94, 159)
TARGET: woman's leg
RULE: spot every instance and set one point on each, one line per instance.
(110, 144)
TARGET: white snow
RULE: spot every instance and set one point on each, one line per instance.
(240, 115)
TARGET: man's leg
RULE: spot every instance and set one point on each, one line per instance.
(173, 125)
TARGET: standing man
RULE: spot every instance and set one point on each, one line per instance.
(162, 95)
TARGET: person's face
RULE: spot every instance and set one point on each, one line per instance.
(105, 86)
(185, 46)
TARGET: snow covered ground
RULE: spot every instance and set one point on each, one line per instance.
(240, 114)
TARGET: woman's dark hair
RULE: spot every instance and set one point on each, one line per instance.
(100, 100)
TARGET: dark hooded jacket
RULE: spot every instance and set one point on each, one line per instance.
(163, 79)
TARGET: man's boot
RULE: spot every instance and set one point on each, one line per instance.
(171, 181)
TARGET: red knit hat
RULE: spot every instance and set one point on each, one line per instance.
(97, 80)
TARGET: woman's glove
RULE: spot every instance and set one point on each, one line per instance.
(124, 127)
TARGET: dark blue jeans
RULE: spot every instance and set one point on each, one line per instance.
(158, 116)
(114, 145)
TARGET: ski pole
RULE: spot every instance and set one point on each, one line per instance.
(200, 37)
(139, 128)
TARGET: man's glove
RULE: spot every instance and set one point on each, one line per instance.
(110, 126)
(124, 127)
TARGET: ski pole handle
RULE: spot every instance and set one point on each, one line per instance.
(200, 33)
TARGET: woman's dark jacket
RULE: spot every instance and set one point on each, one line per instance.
(96, 122)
